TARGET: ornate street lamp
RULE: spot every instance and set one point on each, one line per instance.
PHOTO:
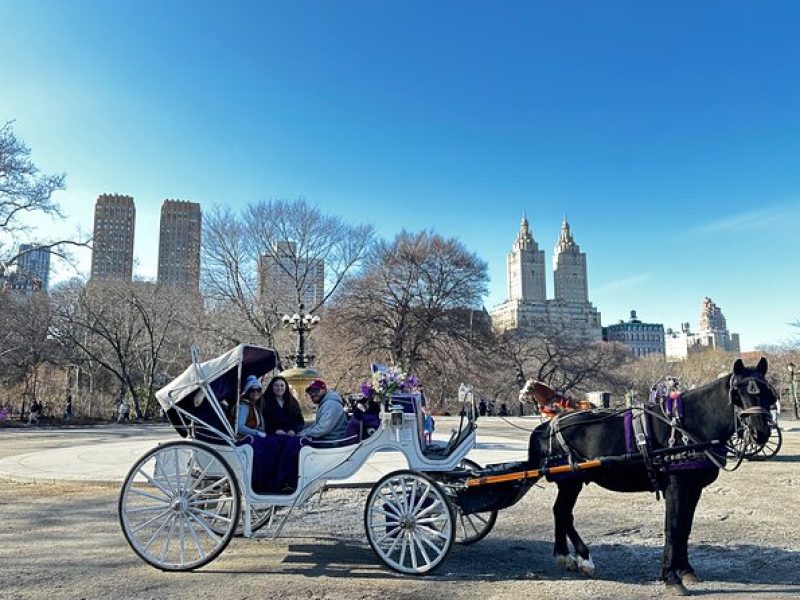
(301, 374)
(791, 368)
(302, 323)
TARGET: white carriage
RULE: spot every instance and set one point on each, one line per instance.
(183, 501)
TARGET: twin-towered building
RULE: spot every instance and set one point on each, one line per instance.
(178, 245)
(527, 308)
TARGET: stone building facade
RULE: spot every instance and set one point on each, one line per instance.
(528, 308)
(642, 339)
(712, 333)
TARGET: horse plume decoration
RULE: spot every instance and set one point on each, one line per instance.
(675, 451)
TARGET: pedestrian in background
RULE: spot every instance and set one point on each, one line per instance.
(68, 408)
(428, 426)
(123, 411)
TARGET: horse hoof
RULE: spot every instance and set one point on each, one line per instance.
(586, 566)
(677, 589)
(689, 578)
(565, 561)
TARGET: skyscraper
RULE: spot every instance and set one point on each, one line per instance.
(525, 265)
(570, 282)
(33, 266)
(281, 272)
(179, 244)
(528, 308)
(114, 223)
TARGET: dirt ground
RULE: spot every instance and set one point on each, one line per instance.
(64, 541)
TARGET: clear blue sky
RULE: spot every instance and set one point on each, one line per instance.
(668, 133)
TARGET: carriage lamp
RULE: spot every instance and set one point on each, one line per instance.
(302, 323)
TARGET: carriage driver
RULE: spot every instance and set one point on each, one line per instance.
(330, 422)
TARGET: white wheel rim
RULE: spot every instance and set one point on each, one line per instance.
(177, 507)
(469, 527)
(409, 523)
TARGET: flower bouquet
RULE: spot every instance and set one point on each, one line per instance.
(386, 381)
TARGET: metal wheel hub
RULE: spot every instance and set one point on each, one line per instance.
(179, 505)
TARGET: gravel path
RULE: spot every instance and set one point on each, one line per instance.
(63, 541)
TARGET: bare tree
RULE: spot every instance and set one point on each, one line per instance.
(25, 191)
(295, 238)
(131, 329)
(557, 356)
(24, 323)
(414, 304)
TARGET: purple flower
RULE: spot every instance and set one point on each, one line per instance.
(366, 390)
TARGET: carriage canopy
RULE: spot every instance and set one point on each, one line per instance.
(223, 374)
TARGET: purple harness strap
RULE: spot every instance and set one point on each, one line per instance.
(673, 406)
(630, 446)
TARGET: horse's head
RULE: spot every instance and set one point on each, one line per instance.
(753, 395)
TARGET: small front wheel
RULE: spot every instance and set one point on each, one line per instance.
(179, 506)
(473, 527)
(409, 522)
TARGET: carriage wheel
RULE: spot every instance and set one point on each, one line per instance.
(179, 506)
(219, 514)
(473, 527)
(771, 447)
(738, 445)
(409, 522)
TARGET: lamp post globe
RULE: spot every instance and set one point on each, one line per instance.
(301, 374)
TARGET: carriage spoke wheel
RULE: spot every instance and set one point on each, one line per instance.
(473, 527)
(179, 506)
(409, 522)
(739, 444)
(770, 447)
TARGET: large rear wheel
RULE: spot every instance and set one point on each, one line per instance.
(179, 506)
(409, 522)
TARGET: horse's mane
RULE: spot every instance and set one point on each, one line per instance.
(704, 389)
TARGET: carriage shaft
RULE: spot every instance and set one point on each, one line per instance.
(534, 473)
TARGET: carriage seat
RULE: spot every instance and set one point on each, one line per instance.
(411, 404)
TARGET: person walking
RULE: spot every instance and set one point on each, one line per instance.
(35, 412)
(68, 409)
(123, 411)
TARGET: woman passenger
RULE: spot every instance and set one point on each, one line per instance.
(282, 414)
(249, 420)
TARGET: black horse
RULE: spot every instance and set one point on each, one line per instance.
(680, 454)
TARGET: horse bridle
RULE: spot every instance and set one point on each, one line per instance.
(742, 415)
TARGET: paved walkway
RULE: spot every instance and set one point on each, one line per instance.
(109, 462)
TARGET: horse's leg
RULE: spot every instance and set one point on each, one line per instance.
(568, 492)
(681, 498)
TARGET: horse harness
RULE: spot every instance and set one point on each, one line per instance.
(683, 451)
